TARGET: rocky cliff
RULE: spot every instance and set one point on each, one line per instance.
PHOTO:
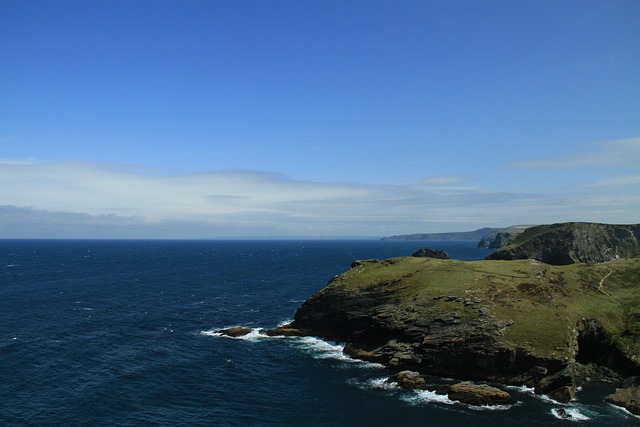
(568, 243)
(518, 322)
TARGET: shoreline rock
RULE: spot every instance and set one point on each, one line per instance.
(465, 392)
(235, 332)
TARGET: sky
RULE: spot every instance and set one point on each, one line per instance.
(306, 118)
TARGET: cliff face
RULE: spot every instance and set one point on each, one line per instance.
(568, 243)
(520, 322)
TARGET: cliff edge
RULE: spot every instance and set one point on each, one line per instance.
(573, 242)
(517, 322)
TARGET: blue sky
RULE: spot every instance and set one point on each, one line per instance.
(210, 119)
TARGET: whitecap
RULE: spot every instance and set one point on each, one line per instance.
(523, 389)
(382, 384)
(569, 414)
(254, 335)
(321, 349)
(285, 323)
(421, 397)
(623, 410)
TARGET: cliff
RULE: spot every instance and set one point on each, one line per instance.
(518, 322)
(573, 242)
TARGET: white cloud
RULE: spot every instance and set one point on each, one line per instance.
(88, 200)
(622, 152)
(617, 181)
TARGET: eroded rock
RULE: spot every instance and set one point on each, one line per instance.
(235, 332)
(479, 394)
(628, 398)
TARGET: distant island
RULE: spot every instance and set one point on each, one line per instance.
(554, 309)
(486, 237)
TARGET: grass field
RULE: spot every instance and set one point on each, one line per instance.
(541, 302)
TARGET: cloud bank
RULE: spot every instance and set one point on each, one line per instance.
(85, 200)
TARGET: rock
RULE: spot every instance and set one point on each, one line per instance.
(431, 253)
(479, 394)
(284, 331)
(573, 242)
(483, 243)
(235, 332)
(512, 323)
(560, 386)
(502, 239)
(409, 380)
(628, 398)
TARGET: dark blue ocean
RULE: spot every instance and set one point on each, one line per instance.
(120, 333)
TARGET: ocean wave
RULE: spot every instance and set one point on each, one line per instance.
(321, 349)
(569, 414)
(252, 336)
(317, 348)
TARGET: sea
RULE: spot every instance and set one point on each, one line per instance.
(122, 333)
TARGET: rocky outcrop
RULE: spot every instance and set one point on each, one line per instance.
(431, 253)
(479, 394)
(408, 380)
(483, 243)
(627, 396)
(573, 242)
(234, 332)
(520, 322)
(502, 239)
(464, 392)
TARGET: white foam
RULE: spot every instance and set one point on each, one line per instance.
(522, 389)
(254, 335)
(624, 410)
(426, 396)
(419, 397)
(285, 323)
(321, 349)
(382, 384)
(572, 414)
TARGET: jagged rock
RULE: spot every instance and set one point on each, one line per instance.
(502, 239)
(409, 380)
(628, 398)
(484, 243)
(511, 323)
(560, 386)
(573, 242)
(431, 253)
(479, 394)
(234, 332)
(286, 331)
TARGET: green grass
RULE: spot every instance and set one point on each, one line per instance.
(543, 301)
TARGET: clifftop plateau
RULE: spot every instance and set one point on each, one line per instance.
(516, 322)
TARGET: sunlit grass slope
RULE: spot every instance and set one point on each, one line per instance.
(542, 303)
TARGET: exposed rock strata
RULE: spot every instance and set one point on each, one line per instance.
(502, 239)
(394, 312)
(568, 243)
